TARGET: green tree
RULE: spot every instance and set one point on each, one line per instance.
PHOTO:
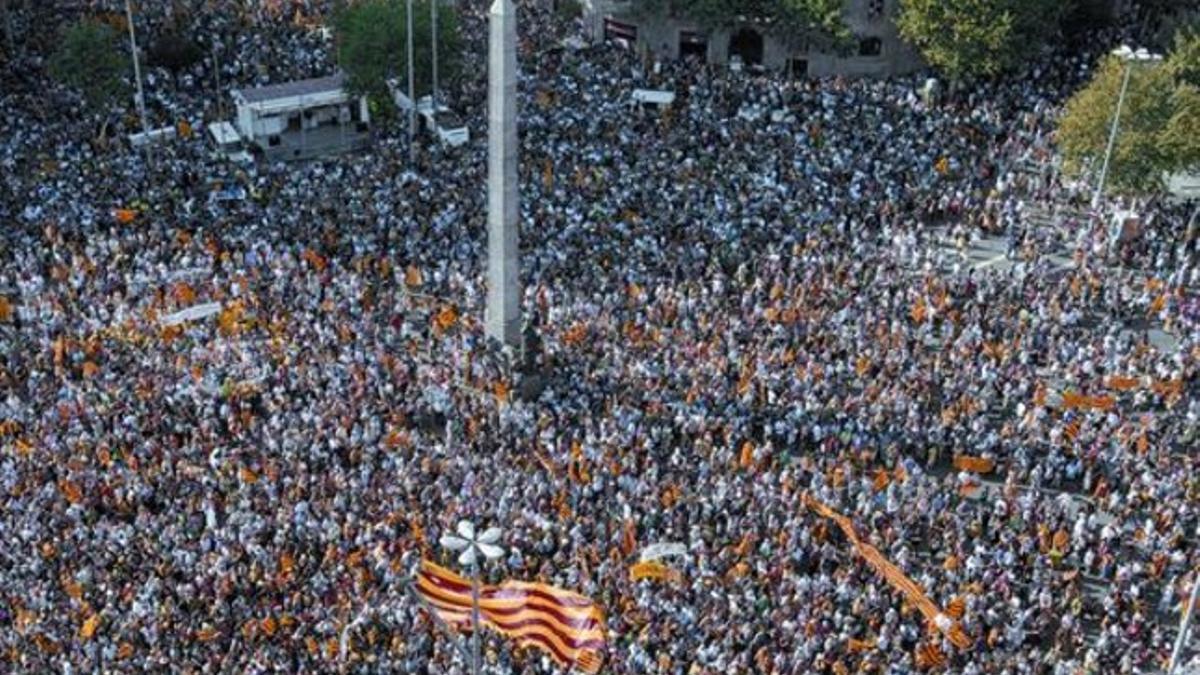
(7, 23)
(89, 58)
(174, 50)
(1185, 56)
(965, 38)
(1156, 133)
(372, 45)
(569, 10)
(1181, 137)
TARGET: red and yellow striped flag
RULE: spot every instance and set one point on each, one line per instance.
(567, 626)
(894, 576)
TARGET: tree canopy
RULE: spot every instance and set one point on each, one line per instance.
(174, 50)
(1185, 56)
(965, 38)
(90, 59)
(1159, 129)
(372, 45)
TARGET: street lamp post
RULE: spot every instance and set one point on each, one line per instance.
(1128, 56)
(433, 96)
(217, 81)
(412, 99)
(468, 544)
(1185, 624)
(137, 75)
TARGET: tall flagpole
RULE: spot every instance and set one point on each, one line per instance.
(1112, 137)
(473, 548)
(1185, 625)
(137, 75)
(475, 629)
(433, 20)
(217, 80)
(412, 99)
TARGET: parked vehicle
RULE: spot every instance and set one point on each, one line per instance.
(442, 123)
(228, 143)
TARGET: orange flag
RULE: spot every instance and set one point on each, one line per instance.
(500, 391)
(956, 608)
(315, 259)
(974, 464)
(413, 277)
(629, 539)
(1118, 383)
(445, 319)
(747, 457)
(71, 491)
(918, 311)
(1159, 304)
(1167, 387)
(88, 629)
(575, 334)
(930, 656)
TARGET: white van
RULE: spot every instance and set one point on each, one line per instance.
(229, 143)
(442, 123)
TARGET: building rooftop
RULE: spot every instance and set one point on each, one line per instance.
(272, 92)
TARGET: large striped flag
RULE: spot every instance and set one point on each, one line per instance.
(567, 626)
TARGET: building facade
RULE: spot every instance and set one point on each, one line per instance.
(303, 119)
(876, 49)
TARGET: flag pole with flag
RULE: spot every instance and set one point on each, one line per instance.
(565, 625)
(468, 544)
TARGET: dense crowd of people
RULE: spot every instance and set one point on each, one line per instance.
(725, 313)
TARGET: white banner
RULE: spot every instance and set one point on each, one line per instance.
(663, 550)
(191, 313)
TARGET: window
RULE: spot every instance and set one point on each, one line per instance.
(871, 46)
(693, 44)
(875, 8)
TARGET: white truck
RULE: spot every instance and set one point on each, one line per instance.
(229, 143)
(442, 124)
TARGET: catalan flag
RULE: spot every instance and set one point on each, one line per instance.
(894, 576)
(929, 657)
(565, 625)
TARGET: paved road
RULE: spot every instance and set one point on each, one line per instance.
(988, 254)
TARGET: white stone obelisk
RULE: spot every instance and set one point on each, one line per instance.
(503, 314)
